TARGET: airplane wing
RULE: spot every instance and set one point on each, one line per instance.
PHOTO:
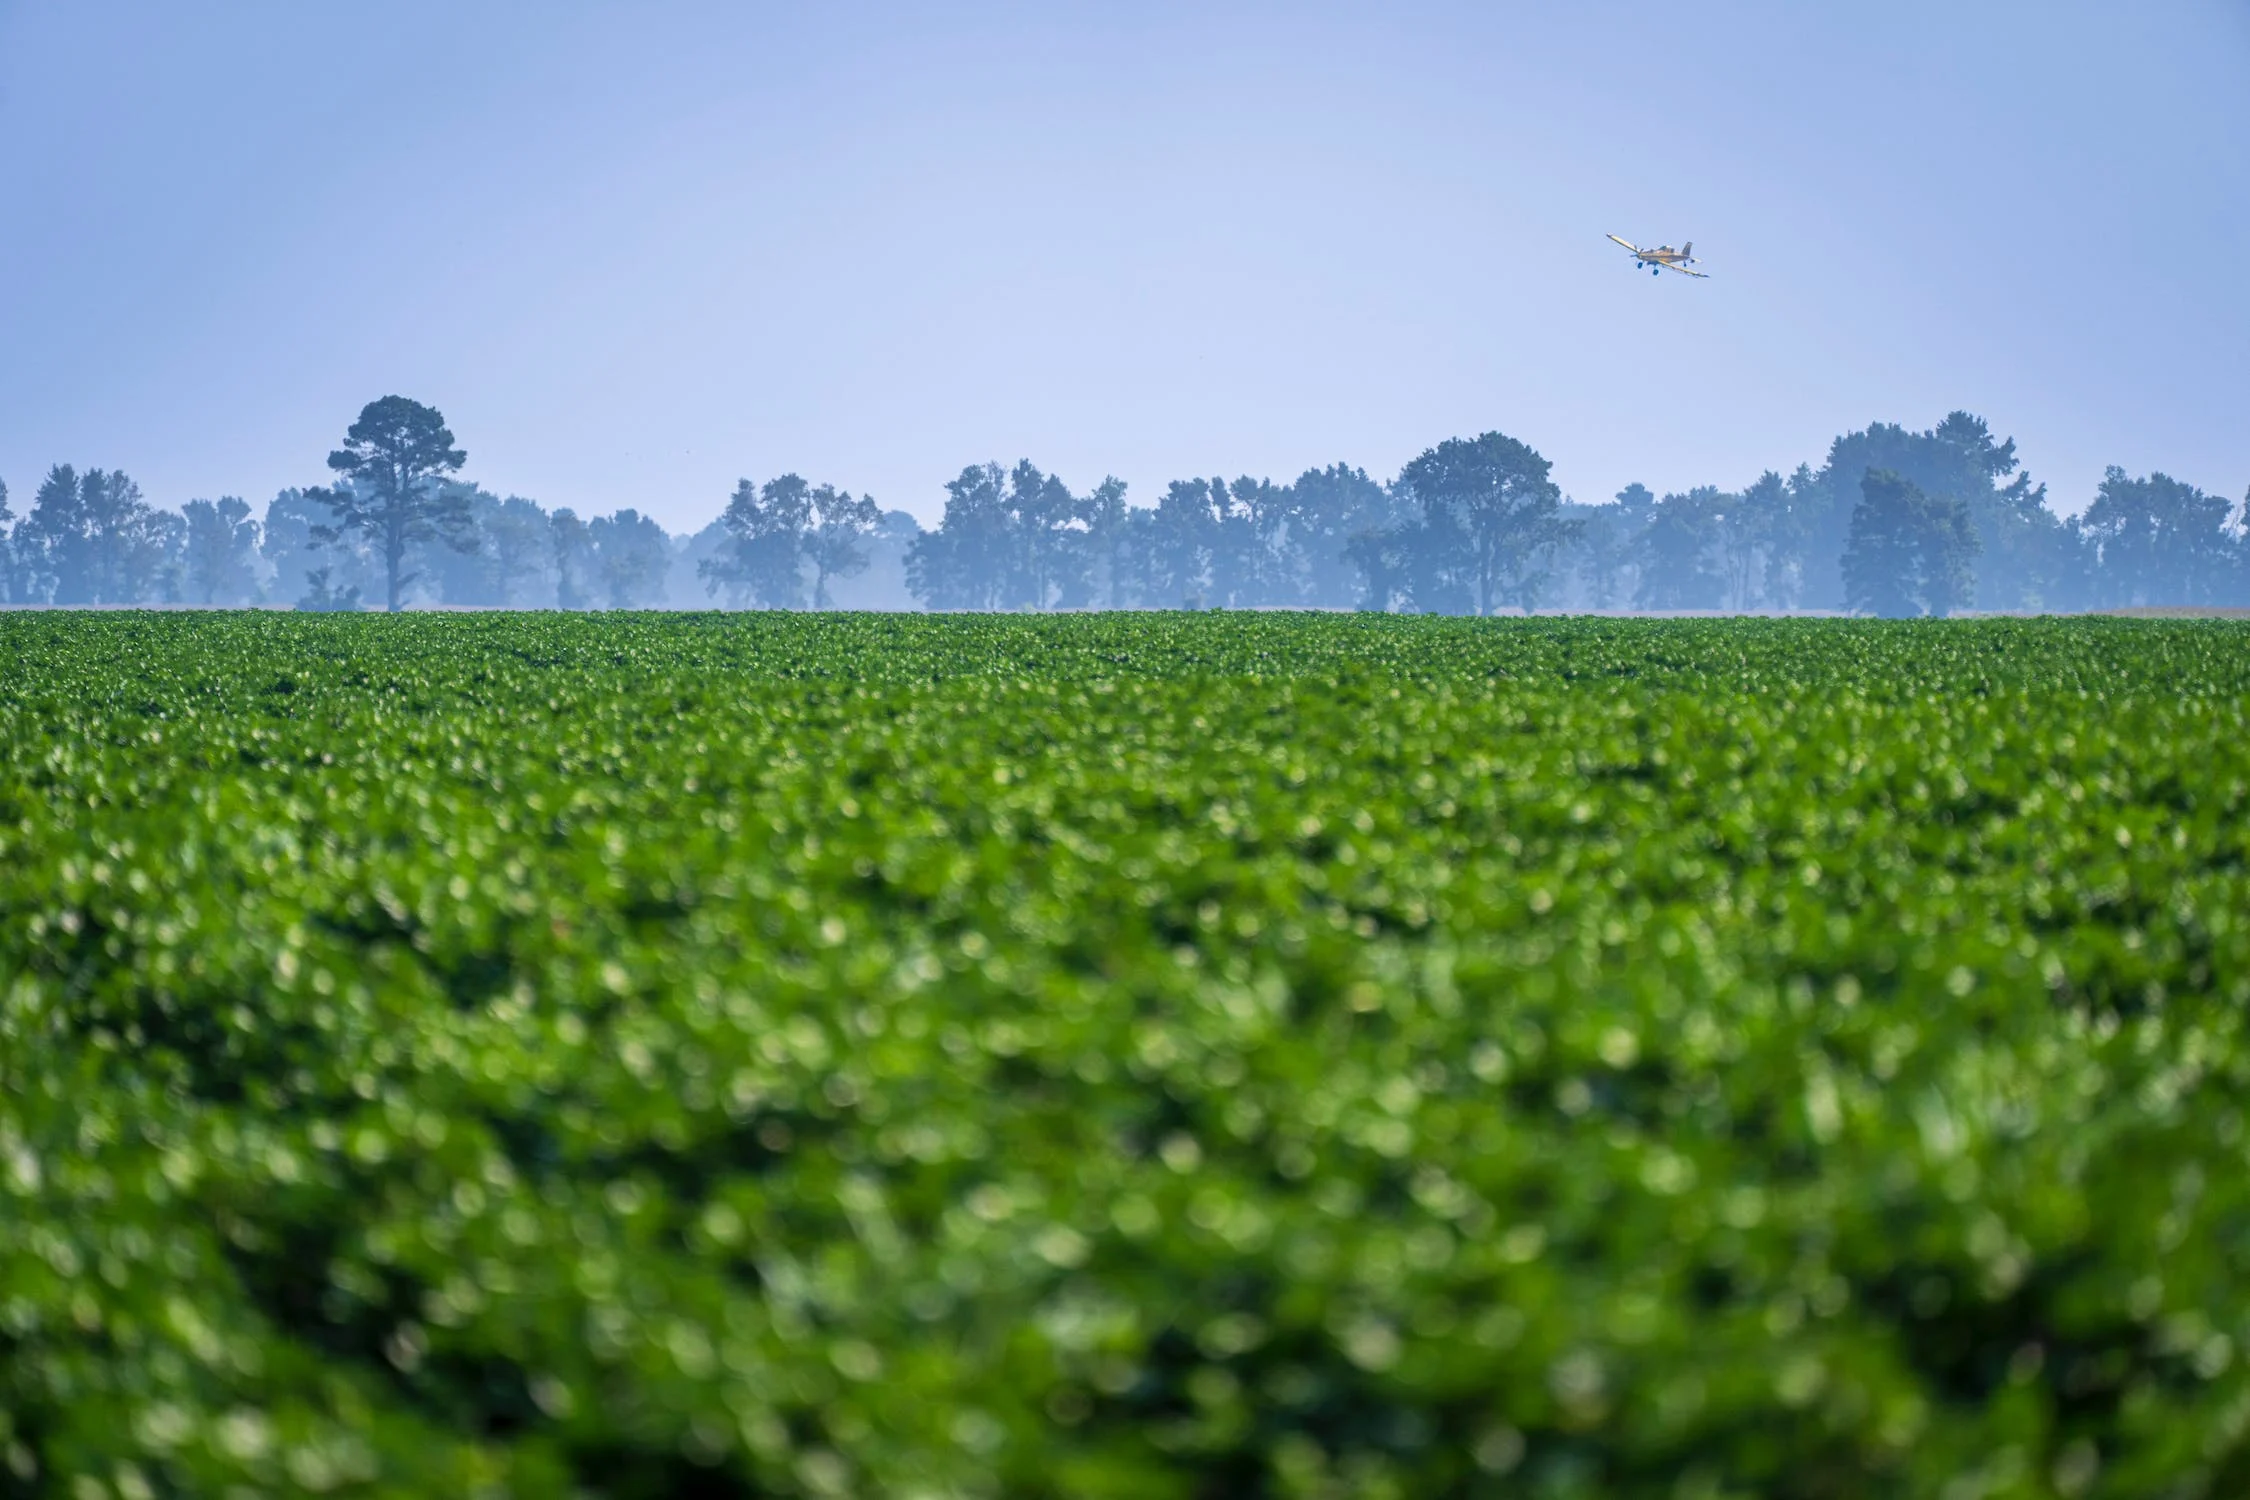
(1628, 244)
(1684, 271)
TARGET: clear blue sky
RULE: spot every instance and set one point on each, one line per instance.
(634, 251)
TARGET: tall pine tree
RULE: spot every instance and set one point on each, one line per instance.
(395, 460)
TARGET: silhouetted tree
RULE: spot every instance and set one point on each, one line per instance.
(1741, 521)
(1491, 517)
(1607, 556)
(1254, 544)
(165, 578)
(54, 539)
(1636, 504)
(2022, 546)
(835, 543)
(1331, 509)
(957, 565)
(2159, 541)
(1379, 555)
(1009, 539)
(91, 539)
(1879, 562)
(1597, 558)
(631, 556)
(1680, 552)
(1784, 508)
(396, 457)
(220, 559)
(1183, 534)
(1043, 535)
(1134, 580)
(1107, 577)
(573, 553)
(1433, 553)
(1908, 552)
(12, 589)
(514, 540)
(762, 561)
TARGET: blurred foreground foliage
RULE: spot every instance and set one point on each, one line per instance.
(1122, 1056)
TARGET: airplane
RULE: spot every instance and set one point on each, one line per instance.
(1663, 258)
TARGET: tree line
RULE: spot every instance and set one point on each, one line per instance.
(1893, 522)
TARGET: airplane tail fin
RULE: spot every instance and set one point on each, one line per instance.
(1687, 252)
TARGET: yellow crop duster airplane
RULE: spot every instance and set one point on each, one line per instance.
(1663, 258)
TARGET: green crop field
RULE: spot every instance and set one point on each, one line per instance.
(1168, 1056)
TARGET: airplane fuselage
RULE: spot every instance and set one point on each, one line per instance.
(1660, 257)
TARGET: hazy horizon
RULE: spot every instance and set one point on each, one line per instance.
(634, 256)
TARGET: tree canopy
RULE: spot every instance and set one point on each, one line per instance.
(394, 461)
(1491, 514)
(1908, 552)
(1471, 525)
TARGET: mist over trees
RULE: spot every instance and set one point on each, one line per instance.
(1892, 521)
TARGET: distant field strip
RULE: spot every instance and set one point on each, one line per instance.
(1123, 1055)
